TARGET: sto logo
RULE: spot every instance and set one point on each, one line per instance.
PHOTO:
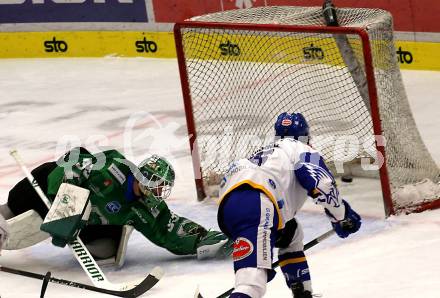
(242, 249)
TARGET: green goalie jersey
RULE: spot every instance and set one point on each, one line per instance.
(109, 177)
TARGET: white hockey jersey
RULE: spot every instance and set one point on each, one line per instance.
(287, 171)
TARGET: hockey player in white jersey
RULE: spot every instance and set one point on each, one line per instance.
(259, 198)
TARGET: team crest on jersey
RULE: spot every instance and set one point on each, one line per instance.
(242, 249)
(108, 182)
(113, 207)
(272, 183)
(286, 122)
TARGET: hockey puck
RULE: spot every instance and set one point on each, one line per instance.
(347, 178)
(45, 283)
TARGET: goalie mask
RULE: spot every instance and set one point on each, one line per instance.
(158, 177)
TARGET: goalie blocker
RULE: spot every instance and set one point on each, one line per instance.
(68, 214)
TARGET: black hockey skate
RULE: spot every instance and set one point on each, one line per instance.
(298, 290)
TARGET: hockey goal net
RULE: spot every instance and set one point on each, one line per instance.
(239, 69)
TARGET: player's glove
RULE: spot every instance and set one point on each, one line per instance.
(214, 245)
(350, 224)
(3, 232)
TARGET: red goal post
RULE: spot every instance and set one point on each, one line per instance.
(214, 47)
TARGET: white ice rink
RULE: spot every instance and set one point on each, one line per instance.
(117, 102)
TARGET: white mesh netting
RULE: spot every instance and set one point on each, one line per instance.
(240, 80)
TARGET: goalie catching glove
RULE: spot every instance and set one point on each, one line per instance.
(350, 224)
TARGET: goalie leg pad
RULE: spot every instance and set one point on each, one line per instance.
(24, 230)
(122, 249)
(4, 232)
(107, 243)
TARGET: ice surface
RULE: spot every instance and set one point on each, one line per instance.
(99, 102)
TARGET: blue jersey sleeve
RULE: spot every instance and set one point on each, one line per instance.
(313, 174)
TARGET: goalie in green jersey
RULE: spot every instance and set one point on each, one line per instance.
(102, 197)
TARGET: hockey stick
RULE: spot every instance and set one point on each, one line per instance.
(277, 263)
(152, 279)
(46, 280)
(80, 251)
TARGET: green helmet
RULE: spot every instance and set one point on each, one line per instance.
(158, 177)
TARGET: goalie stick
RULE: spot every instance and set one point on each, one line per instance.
(277, 263)
(80, 251)
(149, 282)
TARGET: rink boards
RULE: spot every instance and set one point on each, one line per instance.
(410, 54)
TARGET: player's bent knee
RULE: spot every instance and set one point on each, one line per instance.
(251, 282)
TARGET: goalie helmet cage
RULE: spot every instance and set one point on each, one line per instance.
(239, 69)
